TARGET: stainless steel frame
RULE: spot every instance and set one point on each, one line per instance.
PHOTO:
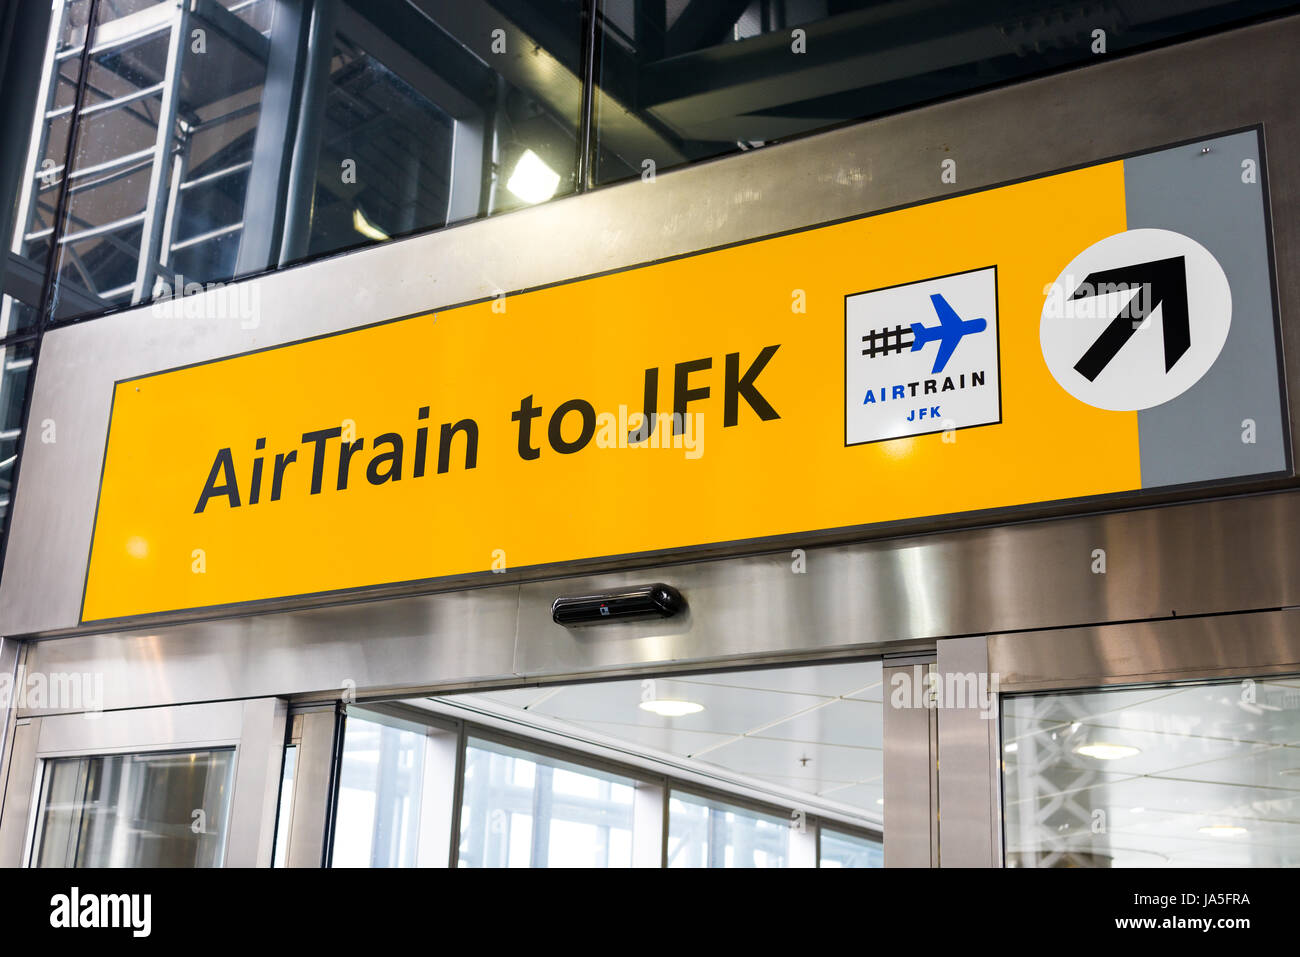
(255, 728)
(866, 598)
(911, 766)
(1175, 649)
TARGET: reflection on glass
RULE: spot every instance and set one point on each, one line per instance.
(435, 112)
(136, 810)
(285, 815)
(705, 833)
(1203, 775)
(841, 849)
(526, 810)
(217, 140)
(680, 81)
(381, 772)
(43, 168)
(15, 369)
(166, 135)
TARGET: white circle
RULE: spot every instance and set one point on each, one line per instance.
(1135, 377)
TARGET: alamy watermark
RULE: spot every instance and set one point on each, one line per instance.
(53, 691)
(180, 299)
(922, 688)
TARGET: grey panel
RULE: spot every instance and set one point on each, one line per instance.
(910, 778)
(1198, 436)
(1229, 645)
(309, 808)
(331, 651)
(852, 599)
(970, 811)
(875, 595)
(1121, 106)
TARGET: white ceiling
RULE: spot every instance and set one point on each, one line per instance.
(815, 729)
(1208, 756)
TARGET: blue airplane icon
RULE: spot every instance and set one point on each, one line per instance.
(950, 331)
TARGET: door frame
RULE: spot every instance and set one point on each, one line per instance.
(1160, 651)
(255, 728)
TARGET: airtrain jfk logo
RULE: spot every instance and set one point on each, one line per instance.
(922, 357)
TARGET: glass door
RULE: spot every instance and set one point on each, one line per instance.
(159, 809)
(1203, 774)
(184, 786)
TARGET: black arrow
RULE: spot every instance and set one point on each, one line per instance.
(1155, 282)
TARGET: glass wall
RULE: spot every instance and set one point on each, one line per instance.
(1203, 775)
(381, 776)
(703, 833)
(526, 810)
(167, 809)
(683, 80)
(765, 767)
(842, 849)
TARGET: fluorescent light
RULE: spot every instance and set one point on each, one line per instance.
(1222, 830)
(533, 181)
(671, 707)
(880, 801)
(1012, 748)
(1290, 772)
(1106, 752)
(366, 228)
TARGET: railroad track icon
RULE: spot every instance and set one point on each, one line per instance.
(948, 333)
(883, 342)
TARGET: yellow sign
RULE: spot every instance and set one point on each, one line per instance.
(511, 433)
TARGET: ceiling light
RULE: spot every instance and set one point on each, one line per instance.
(1290, 773)
(366, 228)
(671, 707)
(880, 801)
(533, 181)
(1106, 752)
(1012, 748)
(1223, 830)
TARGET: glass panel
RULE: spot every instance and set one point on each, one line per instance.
(704, 833)
(437, 112)
(165, 141)
(680, 80)
(839, 849)
(377, 820)
(16, 316)
(526, 810)
(43, 173)
(1204, 775)
(807, 738)
(166, 809)
(212, 144)
(15, 369)
(285, 815)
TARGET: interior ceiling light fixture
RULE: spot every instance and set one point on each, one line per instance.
(366, 228)
(1222, 830)
(533, 181)
(1106, 752)
(671, 707)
